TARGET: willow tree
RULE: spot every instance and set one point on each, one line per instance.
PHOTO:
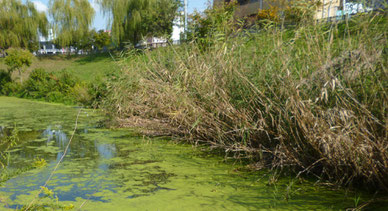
(71, 20)
(132, 20)
(20, 24)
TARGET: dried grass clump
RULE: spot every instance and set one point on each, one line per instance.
(312, 98)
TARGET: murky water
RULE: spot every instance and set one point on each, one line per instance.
(118, 170)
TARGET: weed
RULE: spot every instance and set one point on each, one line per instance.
(6, 143)
(356, 200)
(39, 163)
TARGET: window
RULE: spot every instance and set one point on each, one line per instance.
(241, 2)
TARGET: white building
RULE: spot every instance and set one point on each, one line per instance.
(178, 29)
(176, 36)
(46, 45)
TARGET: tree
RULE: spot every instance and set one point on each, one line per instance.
(132, 20)
(163, 19)
(20, 24)
(72, 20)
(87, 41)
(101, 39)
(16, 59)
(215, 25)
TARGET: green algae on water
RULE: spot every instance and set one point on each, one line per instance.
(119, 170)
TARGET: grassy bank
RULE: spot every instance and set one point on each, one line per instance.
(86, 68)
(312, 99)
(61, 79)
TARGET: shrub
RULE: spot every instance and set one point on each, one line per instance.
(55, 96)
(11, 89)
(80, 93)
(98, 91)
(301, 10)
(291, 12)
(5, 77)
(271, 14)
(215, 25)
(61, 88)
(16, 59)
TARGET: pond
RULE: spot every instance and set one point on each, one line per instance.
(118, 169)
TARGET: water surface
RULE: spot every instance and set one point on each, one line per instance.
(120, 170)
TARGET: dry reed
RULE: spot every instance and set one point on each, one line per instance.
(313, 98)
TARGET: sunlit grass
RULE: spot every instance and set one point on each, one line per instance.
(86, 68)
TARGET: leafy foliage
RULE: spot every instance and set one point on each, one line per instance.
(301, 10)
(43, 85)
(133, 20)
(86, 42)
(289, 11)
(5, 77)
(271, 14)
(214, 25)
(61, 88)
(20, 24)
(101, 39)
(18, 58)
(72, 19)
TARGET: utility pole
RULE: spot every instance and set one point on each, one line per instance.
(185, 11)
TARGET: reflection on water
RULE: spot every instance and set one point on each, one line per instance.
(58, 135)
(60, 139)
(94, 166)
(81, 148)
(106, 151)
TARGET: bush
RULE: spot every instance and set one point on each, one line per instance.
(98, 90)
(38, 85)
(80, 93)
(5, 77)
(215, 25)
(301, 10)
(61, 88)
(271, 14)
(55, 96)
(11, 89)
(16, 59)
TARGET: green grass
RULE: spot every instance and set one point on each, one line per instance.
(86, 68)
(90, 67)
